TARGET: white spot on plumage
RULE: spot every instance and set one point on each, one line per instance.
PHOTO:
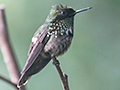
(53, 23)
(55, 32)
(61, 33)
(50, 24)
(50, 28)
(48, 35)
(57, 24)
(62, 30)
(67, 32)
(34, 39)
(60, 25)
(54, 27)
(63, 27)
(70, 30)
(58, 28)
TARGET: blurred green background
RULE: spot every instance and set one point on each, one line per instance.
(93, 60)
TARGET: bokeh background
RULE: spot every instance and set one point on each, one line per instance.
(93, 60)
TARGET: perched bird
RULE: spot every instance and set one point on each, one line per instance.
(52, 39)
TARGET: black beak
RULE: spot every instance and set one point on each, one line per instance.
(80, 10)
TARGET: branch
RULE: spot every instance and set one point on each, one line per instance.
(63, 77)
(8, 81)
(6, 49)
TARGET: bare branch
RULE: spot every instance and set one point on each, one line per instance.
(6, 49)
(8, 81)
(63, 77)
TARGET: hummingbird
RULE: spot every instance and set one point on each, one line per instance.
(52, 39)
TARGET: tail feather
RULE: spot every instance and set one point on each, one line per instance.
(23, 80)
(37, 66)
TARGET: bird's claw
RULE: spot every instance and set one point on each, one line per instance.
(56, 63)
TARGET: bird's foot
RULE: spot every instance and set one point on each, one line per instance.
(56, 63)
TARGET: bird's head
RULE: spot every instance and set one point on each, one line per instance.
(60, 12)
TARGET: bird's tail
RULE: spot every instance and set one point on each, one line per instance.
(23, 80)
(37, 66)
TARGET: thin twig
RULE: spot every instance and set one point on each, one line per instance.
(8, 81)
(63, 77)
(6, 49)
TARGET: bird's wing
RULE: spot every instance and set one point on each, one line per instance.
(35, 50)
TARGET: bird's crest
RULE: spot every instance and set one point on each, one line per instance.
(55, 11)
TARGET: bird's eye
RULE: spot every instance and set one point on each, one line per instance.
(63, 13)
